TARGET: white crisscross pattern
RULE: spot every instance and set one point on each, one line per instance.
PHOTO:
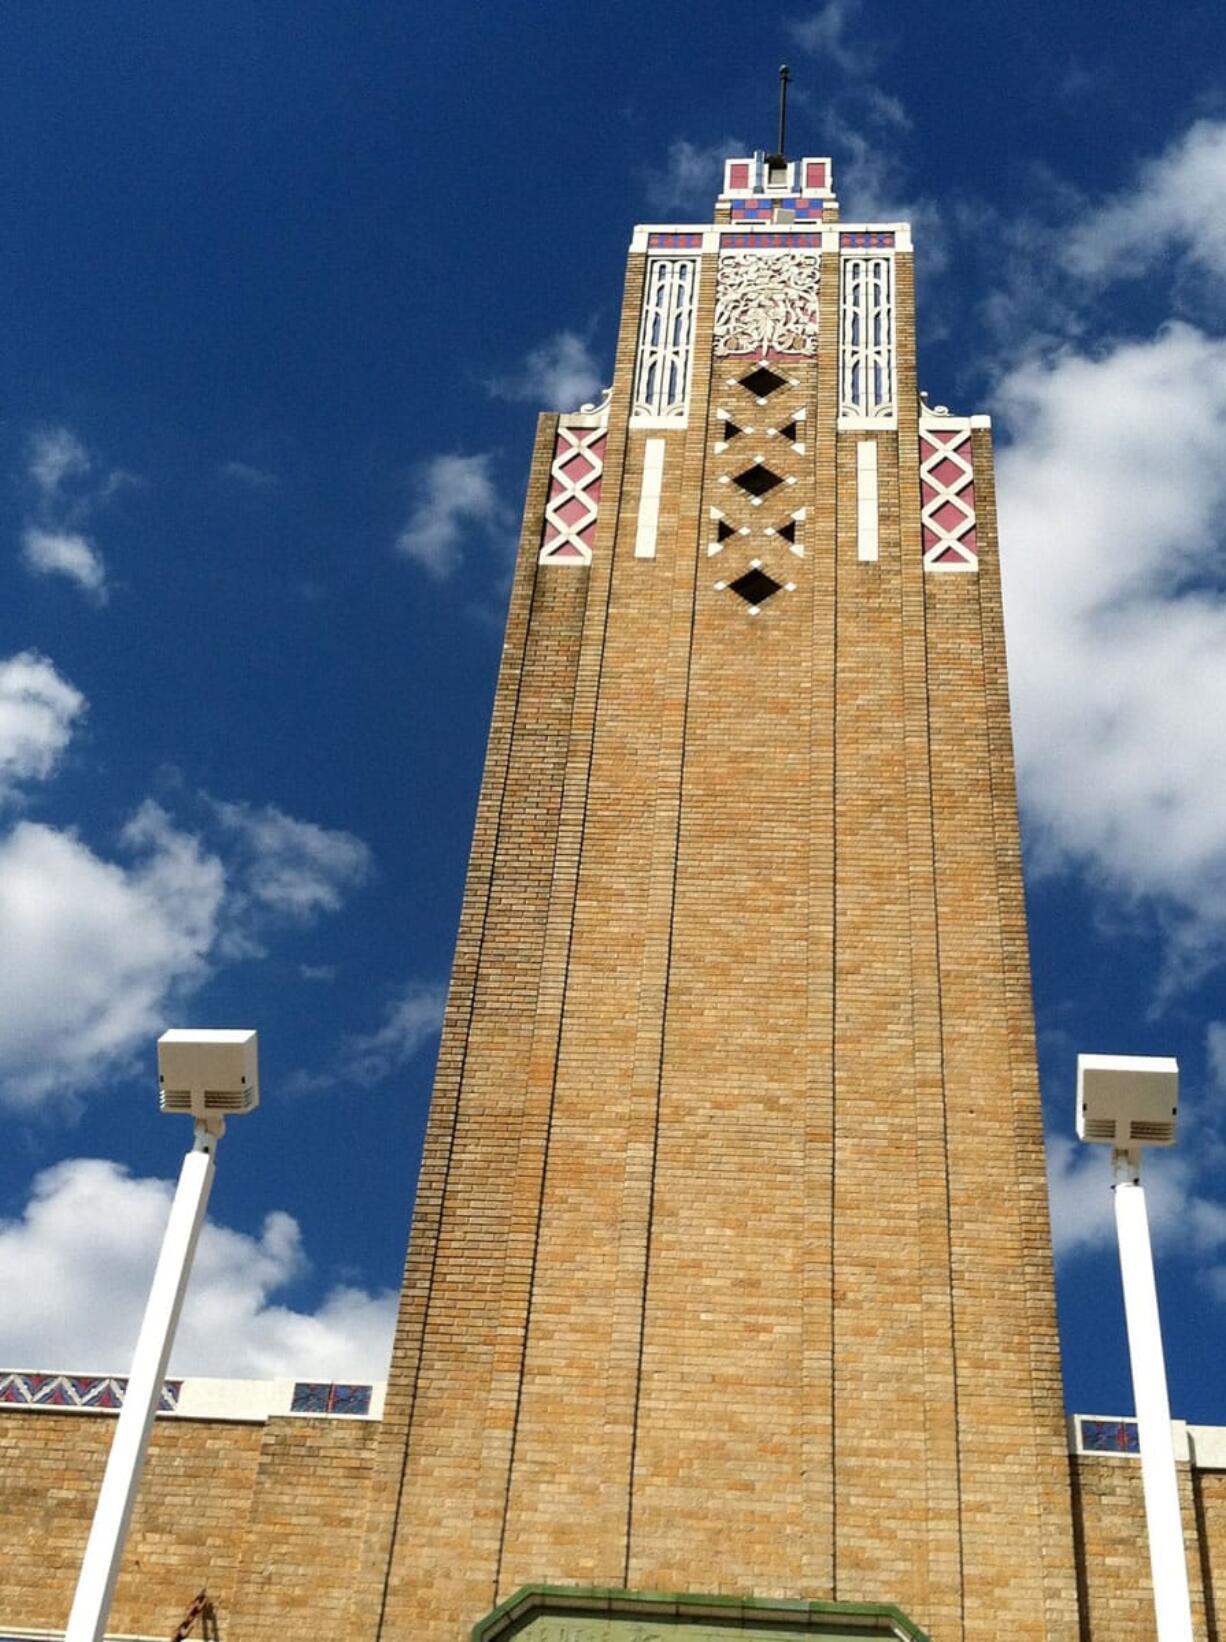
(574, 494)
(947, 495)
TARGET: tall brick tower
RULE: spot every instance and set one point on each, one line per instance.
(730, 1270)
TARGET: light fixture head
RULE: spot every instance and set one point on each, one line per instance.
(209, 1073)
(1127, 1101)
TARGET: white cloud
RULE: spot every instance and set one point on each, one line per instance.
(38, 712)
(96, 952)
(1183, 1221)
(410, 1020)
(294, 867)
(452, 494)
(692, 175)
(1113, 502)
(562, 373)
(1215, 1054)
(55, 455)
(866, 130)
(862, 129)
(65, 553)
(1177, 200)
(92, 950)
(75, 1271)
(246, 474)
(66, 489)
(826, 34)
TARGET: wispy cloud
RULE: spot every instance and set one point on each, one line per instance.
(296, 868)
(411, 1019)
(66, 553)
(691, 176)
(561, 374)
(39, 709)
(244, 473)
(67, 488)
(1175, 203)
(831, 33)
(866, 128)
(56, 455)
(453, 496)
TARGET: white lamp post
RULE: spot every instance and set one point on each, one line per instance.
(1129, 1102)
(212, 1075)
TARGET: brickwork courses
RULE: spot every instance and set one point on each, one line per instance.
(269, 1517)
(778, 1214)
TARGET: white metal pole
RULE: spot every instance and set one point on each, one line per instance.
(104, 1548)
(1167, 1558)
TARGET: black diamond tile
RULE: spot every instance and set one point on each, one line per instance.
(763, 382)
(757, 480)
(755, 586)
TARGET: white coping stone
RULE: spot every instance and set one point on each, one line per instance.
(257, 1401)
(1208, 1445)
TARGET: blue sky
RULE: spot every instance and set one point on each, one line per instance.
(284, 286)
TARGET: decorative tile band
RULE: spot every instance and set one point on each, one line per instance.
(104, 1392)
(1109, 1436)
(867, 241)
(674, 242)
(770, 242)
(314, 1397)
(762, 209)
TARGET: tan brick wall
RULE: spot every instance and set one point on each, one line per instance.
(250, 1511)
(747, 1320)
(1113, 1574)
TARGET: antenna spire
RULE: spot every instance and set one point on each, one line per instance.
(785, 79)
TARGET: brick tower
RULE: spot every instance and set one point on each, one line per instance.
(730, 1270)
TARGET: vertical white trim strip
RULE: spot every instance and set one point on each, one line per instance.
(866, 500)
(649, 499)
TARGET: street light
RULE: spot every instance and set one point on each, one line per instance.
(213, 1075)
(1129, 1102)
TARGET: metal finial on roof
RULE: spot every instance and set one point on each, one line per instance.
(785, 78)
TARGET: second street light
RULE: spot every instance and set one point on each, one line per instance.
(1129, 1102)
